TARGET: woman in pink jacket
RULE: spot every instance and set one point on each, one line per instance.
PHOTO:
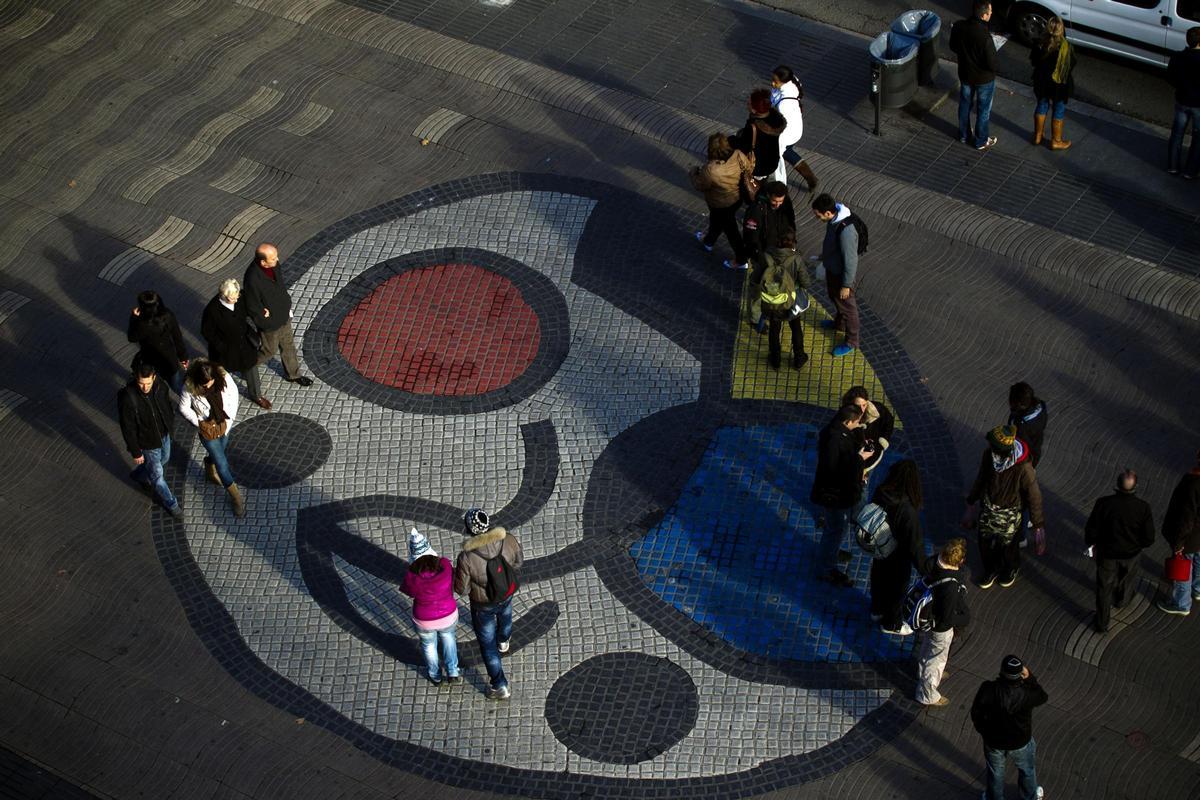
(429, 582)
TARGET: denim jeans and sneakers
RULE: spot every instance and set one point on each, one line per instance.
(979, 99)
(493, 628)
(449, 646)
(150, 473)
(1183, 116)
(1184, 592)
(1023, 758)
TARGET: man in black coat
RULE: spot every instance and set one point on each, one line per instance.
(270, 308)
(225, 326)
(1119, 526)
(767, 219)
(145, 411)
(950, 611)
(838, 486)
(971, 41)
(1181, 529)
(1003, 715)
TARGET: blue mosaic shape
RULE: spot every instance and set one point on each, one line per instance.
(737, 553)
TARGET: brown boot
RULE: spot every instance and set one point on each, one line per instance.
(235, 500)
(806, 172)
(1057, 143)
(1039, 126)
(210, 471)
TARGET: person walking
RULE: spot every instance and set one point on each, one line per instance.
(1117, 530)
(837, 488)
(720, 179)
(144, 412)
(1053, 61)
(1002, 713)
(786, 96)
(486, 571)
(971, 41)
(839, 255)
(155, 330)
(768, 218)
(209, 402)
(950, 611)
(1005, 482)
(1181, 529)
(226, 327)
(1183, 72)
(782, 296)
(900, 498)
(429, 582)
(270, 308)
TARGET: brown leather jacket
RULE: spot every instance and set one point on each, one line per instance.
(470, 573)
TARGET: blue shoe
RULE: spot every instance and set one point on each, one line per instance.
(827, 324)
(730, 265)
(842, 350)
(708, 248)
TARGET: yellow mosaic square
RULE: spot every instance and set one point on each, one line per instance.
(820, 382)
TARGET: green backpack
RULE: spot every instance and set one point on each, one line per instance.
(778, 294)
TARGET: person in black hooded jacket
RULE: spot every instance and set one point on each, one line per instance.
(837, 487)
(900, 498)
(1003, 715)
(153, 327)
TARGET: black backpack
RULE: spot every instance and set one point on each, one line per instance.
(859, 226)
(501, 580)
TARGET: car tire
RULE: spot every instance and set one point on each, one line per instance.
(1027, 23)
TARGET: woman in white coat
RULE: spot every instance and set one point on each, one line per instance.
(786, 97)
(209, 401)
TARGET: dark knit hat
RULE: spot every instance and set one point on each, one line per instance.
(1002, 438)
(476, 522)
(1011, 668)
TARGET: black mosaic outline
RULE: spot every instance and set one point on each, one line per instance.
(218, 631)
(308, 448)
(324, 357)
(622, 708)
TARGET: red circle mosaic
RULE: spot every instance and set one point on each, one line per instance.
(449, 330)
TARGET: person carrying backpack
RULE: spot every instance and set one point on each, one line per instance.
(845, 240)
(949, 611)
(783, 297)
(900, 498)
(486, 572)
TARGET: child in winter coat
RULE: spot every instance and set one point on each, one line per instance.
(429, 582)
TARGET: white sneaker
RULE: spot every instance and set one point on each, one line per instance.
(1040, 793)
(502, 647)
(730, 265)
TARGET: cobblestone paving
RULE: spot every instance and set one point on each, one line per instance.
(272, 656)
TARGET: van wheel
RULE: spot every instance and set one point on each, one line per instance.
(1028, 23)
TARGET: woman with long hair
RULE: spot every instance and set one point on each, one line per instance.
(900, 498)
(720, 180)
(209, 401)
(787, 92)
(1053, 60)
(153, 327)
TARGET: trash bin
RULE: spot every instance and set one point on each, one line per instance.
(894, 55)
(924, 26)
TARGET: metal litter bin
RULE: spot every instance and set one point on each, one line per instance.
(924, 26)
(893, 69)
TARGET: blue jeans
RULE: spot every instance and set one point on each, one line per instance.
(837, 520)
(429, 649)
(978, 98)
(1184, 115)
(216, 454)
(151, 471)
(493, 624)
(1043, 106)
(1023, 758)
(1182, 592)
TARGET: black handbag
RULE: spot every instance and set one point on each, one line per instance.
(252, 335)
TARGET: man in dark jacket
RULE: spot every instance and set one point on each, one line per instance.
(145, 410)
(1119, 526)
(1181, 529)
(490, 616)
(839, 258)
(270, 308)
(1183, 71)
(950, 611)
(838, 486)
(1003, 715)
(769, 217)
(971, 41)
(223, 326)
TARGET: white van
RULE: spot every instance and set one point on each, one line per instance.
(1146, 30)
